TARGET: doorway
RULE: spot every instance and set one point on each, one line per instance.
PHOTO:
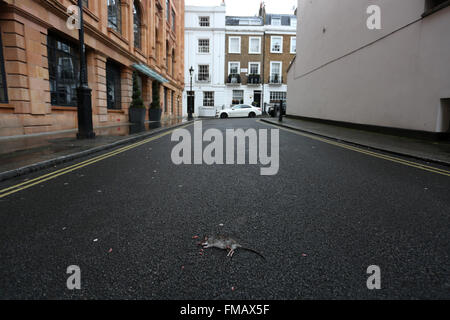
(257, 98)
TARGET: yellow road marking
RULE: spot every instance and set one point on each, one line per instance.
(367, 152)
(60, 172)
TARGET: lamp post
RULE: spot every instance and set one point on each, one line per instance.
(84, 93)
(191, 98)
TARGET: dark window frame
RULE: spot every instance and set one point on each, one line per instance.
(58, 77)
(4, 86)
(113, 76)
(117, 10)
(137, 24)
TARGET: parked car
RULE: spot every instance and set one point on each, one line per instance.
(239, 110)
(273, 109)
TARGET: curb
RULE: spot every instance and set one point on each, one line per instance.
(430, 160)
(63, 159)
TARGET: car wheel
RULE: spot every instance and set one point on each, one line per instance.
(252, 115)
(223, 116)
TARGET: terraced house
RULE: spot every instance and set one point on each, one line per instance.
(259, 51)
(39, 61)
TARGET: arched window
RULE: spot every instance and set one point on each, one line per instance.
(115, 15)
(137, 23)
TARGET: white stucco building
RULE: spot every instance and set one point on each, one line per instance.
(205, 52)
(398, 76)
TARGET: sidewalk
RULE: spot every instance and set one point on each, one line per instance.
(430, 151)
(27, 153)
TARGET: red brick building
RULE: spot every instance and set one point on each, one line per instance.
(39, 61)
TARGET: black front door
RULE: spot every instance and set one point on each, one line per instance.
(257, 98)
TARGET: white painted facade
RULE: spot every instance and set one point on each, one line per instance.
(215, 58)
(396, 77)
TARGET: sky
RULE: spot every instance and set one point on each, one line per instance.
(248, 7)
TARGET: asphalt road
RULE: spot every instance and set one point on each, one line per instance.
(129, 220)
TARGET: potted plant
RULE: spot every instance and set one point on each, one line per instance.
(154, 113)
(137, 107)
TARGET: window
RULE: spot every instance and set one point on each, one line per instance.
(293, 44)
(165, 99)
(203, 46)
(173, 62)
(203, 21)
(114, 15)
(233, 68)
(254, 45)
(276, 21)
(137, 25)
(276, 44)
(238, 97)
(113, 86)
(64, 73)
(203, 72)
(208, 98)
(275, 72)
(234, 45)
(294, 22)
(254, 67)
(3, 87)
(276, 96)
(171, 102)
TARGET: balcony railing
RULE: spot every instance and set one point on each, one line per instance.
(276, 79)
(203, 78)
(254, 79)
(234, 79)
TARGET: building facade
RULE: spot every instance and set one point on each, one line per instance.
(40, 61)
(397, 76)
(259, 51)
(244, 62)
(204, 52)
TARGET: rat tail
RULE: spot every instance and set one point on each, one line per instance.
(254, 251)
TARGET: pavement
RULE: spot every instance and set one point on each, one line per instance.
(27, 153)
(422, 149)
(129, 219)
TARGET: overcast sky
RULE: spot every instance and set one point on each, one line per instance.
(248, 7)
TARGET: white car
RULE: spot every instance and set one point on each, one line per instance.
(239, 110)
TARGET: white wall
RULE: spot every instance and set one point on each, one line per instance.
(392, 77)
(216, 58)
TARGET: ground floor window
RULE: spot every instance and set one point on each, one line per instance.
(208, 98)
(64, 71)
(165, 100)
(238, 97)
(276, 96)
(113, 86)
(3, 88)
(171, 101)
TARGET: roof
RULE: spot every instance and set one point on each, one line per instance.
(285, 18)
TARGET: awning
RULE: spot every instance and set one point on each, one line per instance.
(149, 72)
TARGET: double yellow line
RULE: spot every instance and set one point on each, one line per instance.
(367, 152)
(54, 174)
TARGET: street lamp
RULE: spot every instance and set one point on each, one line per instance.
(191, 97)
(84, 93)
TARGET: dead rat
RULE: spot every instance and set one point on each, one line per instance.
(226, 243)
